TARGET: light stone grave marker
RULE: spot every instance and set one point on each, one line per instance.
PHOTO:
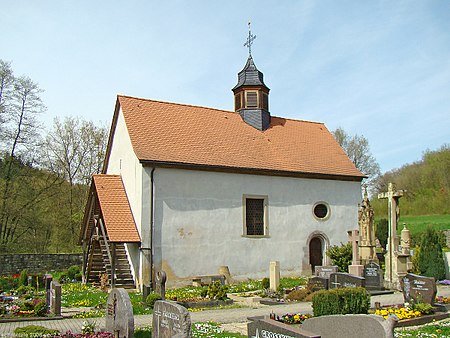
(351, 326)
(160, 285)
(55, 298)
(119, 314)
(325, 271)
(274, 275)
(418, 289)
(170, 320)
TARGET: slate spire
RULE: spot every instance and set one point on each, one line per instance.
(251, 95)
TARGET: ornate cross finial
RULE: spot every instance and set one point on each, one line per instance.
(250, 39)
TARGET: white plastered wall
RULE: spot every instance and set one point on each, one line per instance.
(199, 221)
(123, 161)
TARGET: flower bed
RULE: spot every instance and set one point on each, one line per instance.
(290, 318)
(400, 312)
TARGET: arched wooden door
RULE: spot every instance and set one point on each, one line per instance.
(315, 252)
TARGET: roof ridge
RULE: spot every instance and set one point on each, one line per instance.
(178, 104)
(210, 108)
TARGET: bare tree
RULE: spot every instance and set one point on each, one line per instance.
(358, 150)
(75, 150)
(20, 104)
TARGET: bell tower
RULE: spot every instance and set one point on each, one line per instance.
(251, 95)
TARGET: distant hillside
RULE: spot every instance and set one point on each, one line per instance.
(427, 183)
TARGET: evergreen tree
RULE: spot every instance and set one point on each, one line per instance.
(430, 259)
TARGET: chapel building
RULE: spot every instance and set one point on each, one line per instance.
(188, 189)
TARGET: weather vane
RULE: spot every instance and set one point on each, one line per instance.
(250, 39)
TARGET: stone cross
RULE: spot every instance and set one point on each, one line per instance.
(393, 209)
(353, 237)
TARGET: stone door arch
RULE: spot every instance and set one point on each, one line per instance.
(318, 244)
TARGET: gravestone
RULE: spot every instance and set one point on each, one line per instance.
(355, 268)
(55, 298)
(351, 326)
(160, 285)
(374, 276)
(47, 280)
(266, 327)
(274, 275)
(170, 320)
(325, 271)
(345, 280)
(119, 314)
(317, 283)
(418, 289)
(146, 290)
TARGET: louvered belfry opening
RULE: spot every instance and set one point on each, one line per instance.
(251, 97)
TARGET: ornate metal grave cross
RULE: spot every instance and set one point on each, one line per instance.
(249, 41)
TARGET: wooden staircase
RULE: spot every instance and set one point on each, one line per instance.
(99, 263)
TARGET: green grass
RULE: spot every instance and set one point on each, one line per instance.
(438, 330)
(417, 224)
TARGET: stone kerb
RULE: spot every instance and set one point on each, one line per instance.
(170, 320)
(351, 326)
(418, 289)
(266, 327)
(119, 314)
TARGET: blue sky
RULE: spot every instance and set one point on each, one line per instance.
(376, 68)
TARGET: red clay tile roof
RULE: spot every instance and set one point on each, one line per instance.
(116, 211)
(182, 134)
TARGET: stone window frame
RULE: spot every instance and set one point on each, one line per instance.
(327, 216)
(266, 215)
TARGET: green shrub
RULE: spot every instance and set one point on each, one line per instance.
(265, 283)
(40, 309)
(143, 332)
(340, 301)
(72, 272)
(430, 259)
(425, 309)
(64, 277)
(381, 231)
(152, 298)
(23, 278)
(341, 256)
(217, 291)
(23, 290)
(34, 331)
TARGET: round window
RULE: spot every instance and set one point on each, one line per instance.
(321, 210)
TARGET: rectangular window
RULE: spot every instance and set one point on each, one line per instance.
(265, 103)
(255, 216)
(252, 100)
(237, 101)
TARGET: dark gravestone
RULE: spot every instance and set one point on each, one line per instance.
(119, 314)
(317, 283)
(55, 298)
(47, 280)
(160, 285)
(345, 280)
(325, 271)
(170, 320)
(146, 290)
(374, 276)
(418, 289)
(266, 327)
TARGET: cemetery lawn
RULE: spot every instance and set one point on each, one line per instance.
(418, 224)
(435, 329)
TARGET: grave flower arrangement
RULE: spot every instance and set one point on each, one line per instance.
(290, 318)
